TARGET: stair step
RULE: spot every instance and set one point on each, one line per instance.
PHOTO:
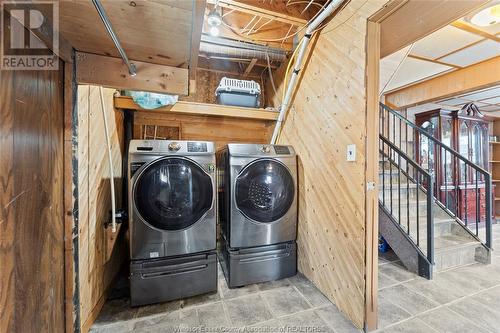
(453, 251)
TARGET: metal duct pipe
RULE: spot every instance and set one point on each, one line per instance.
(223, 50)
(240, 44)
(100, 10)
(332, 6)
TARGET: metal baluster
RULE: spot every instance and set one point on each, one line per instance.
(407, 196)
(418, 213)
(400, 136)
(458, 179)
(445, 179)
(406, 131)
(430, 222)
(383, 172)
(478, 214)
(487, 181)
(390, 178)
(399, 187)
(465, 191)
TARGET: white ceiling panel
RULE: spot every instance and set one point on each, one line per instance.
(443, 41)
(474, 54)
(483, 94)
(413, 70)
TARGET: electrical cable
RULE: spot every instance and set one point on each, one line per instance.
(237, 32)
(270, 74)
(110, 157)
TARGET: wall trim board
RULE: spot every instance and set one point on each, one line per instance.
(371, 174)
(110, 72)
(72, 287)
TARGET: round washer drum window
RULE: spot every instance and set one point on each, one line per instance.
(173, 193)
(264, 191)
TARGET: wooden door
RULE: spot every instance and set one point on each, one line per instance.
(31, 214)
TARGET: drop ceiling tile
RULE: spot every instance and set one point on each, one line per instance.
(443, 41)
(483, 94)
(494, 100)
(413, 70)
(474, 54)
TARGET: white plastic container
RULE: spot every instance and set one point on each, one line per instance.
(235, 92)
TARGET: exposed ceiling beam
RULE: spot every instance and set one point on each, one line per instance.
(433, 61)
(197, 27)
(479, 76)
(250, 67)
(259, 11)
(405, 25)
(111, 72)
(472, 29)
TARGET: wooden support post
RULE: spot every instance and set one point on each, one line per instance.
(250, 67)
(371, 174)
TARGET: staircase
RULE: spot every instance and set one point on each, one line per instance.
(427, 230)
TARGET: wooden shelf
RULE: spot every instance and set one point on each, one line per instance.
(125, 102)
(497, 199)
(494, 142)
(494, 161)
(495, 180)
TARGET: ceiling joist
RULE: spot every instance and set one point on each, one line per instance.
(258, 11)
(472, 29)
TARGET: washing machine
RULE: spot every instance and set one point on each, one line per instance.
(257, 212)
(172, 214)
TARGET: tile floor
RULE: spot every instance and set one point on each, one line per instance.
(465, 299)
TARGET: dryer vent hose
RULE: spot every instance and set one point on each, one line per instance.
(110, 157)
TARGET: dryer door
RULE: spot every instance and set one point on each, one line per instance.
(264, 190)
(173, 193)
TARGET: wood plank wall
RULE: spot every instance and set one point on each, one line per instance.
(32, 213)
(329, 112)
(221, 130)
(101, 253)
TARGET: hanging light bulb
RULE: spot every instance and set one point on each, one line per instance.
(487, 17)
(214, 31)
(214, 18)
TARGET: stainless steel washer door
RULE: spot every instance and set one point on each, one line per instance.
(264, 191)
(173, 193)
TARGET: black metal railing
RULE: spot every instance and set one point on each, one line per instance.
(407, 195)
(461, 187)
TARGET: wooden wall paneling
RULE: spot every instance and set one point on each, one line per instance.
(101, 253)
(221, 130)
(32, 235)
(7, 255)
(329, 112)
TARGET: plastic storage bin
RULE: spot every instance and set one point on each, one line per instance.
(238, 93)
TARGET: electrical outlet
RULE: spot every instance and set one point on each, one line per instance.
(351, 153)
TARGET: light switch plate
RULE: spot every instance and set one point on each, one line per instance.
(351, 153)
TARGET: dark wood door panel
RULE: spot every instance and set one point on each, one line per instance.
(31, 217)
